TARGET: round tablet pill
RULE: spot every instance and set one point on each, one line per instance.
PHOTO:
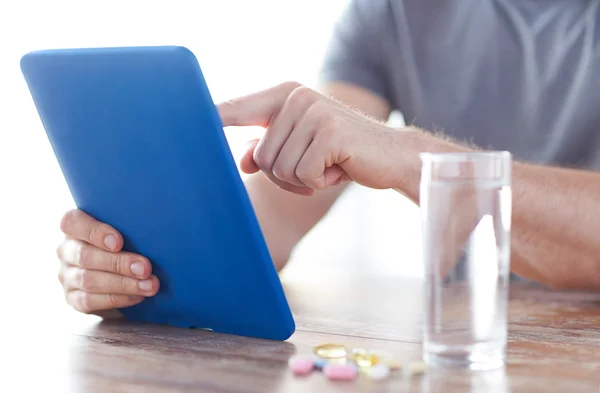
(378, 372)
(301, 365)
(342, 372)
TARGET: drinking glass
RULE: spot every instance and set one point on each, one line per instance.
(465, 201)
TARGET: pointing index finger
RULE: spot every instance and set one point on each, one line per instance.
(256, 109)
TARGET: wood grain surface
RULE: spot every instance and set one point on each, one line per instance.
(554, 346)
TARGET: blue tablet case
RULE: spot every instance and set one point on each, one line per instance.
(141, 146)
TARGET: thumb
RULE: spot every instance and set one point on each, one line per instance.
(332, 176)
(247, 164)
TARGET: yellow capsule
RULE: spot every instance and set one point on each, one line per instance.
(342, 361)
(330, 351)
(366, 359)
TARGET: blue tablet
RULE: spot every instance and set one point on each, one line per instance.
(141, 146)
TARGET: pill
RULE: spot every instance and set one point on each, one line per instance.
(365, 359)
(330, 351)
(345, 372)
(320, 364)
(392, 363)
(301, 365)
(378, 372)
(415, 368)
(343, 360)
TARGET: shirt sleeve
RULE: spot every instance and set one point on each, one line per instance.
(355, 52)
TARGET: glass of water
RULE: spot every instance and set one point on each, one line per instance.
(465, 201)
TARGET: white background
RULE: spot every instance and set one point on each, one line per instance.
(242, 46)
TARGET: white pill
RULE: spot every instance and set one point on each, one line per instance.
(379, 372)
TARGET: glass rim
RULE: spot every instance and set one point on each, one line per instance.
(464, 156)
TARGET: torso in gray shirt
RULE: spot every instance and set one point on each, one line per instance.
(517, 75)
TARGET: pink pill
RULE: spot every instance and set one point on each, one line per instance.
(340, 372)
(301, 365)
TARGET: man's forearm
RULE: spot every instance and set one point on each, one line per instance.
(555, 228)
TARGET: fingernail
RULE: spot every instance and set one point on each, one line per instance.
(137, 268)
(145, 285)
(135, 298)
(110, 241)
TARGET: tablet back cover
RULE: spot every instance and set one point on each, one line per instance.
(142, 148)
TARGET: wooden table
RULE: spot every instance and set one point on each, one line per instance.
(554, 345)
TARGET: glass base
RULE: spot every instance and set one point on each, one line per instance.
(475, 357)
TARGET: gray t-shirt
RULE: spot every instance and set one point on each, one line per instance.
(517, 75)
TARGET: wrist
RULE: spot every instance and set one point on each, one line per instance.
(415, 141)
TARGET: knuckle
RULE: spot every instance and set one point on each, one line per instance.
(318, 115)
(70, 251)
(69, 277)
(303, 175)
(325, 118)
(59, 252)
(86, 279)
(93, 233)
(116, 263)
(277, 171)
(280, 172)
(290, 85)
(114, 301)
(61, 276)
(83, 255)
(83, 303)
(301, 96)
(68, 219)
(122, 284)
(262, 159)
